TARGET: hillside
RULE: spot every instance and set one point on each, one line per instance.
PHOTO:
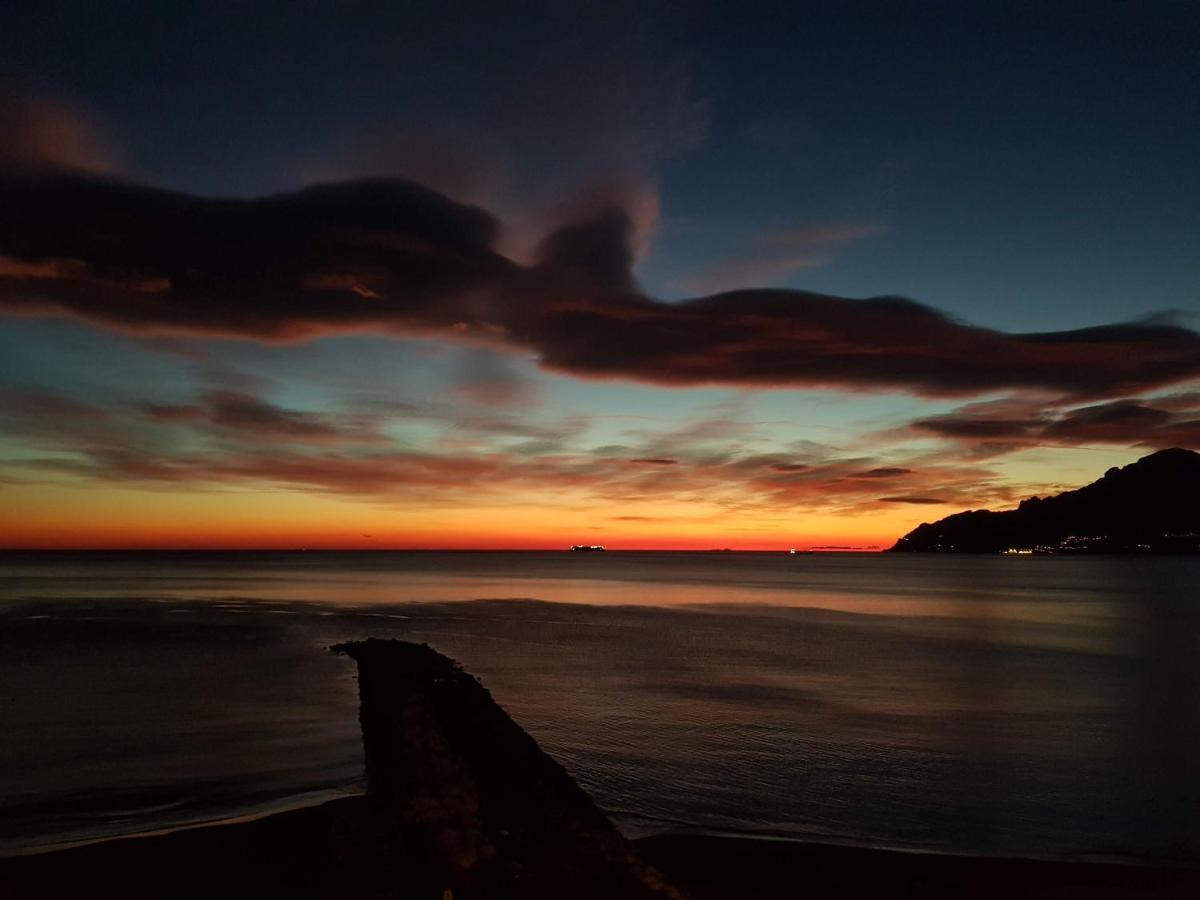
(1152, 505)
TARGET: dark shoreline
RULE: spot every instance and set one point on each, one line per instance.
(310, 852)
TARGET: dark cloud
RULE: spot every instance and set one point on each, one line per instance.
(1110, 421)
(917, 500)
(249, 416)
(655, 461)
(632, 198)
(391, 256)
(33, 404)
(977, 427)
(351, 256)
(882, 472)
(597, 253)
(792, 338)
(1172, 421)
(46, 419)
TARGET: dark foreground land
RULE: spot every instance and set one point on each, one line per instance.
(317, 852)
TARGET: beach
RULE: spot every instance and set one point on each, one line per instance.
(304, 853)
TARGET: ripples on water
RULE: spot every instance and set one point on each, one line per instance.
(1027, 706)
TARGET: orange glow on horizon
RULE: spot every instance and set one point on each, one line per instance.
(114, 539)
(61, 517)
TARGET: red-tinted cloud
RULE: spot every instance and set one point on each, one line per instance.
(1172, 421)
(249, 417)
(391, 256)
(42, 132)
(248, 441)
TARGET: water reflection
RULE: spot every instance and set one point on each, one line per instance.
(1031, 707)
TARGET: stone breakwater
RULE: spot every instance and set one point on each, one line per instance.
(459, 789)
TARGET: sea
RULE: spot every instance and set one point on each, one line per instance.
(1044, 707)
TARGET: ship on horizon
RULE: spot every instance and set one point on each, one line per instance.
(587, 548)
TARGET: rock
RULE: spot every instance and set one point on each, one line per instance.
(458, 785)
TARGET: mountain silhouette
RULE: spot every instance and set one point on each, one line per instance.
(1152, 505)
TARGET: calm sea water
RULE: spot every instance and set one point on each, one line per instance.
(1040, 706)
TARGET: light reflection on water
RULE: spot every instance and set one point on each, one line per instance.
(1040, 706)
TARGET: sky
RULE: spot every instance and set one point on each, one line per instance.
(676, 275)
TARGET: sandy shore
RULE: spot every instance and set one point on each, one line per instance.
(719, 868)
(317, 852)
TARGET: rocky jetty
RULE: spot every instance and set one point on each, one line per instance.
(1150, 506)
(467, 795)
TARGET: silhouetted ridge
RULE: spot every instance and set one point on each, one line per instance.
(1150, 506)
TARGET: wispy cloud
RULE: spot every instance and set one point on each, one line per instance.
(248, 442)
(41, 131)
(1013, 424)
(251, 418)
(487, 378)
(775, 256)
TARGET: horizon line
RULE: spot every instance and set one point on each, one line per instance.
(555, 549)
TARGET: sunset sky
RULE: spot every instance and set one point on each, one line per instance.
(370, 275)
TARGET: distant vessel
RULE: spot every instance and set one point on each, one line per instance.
(586, 548)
